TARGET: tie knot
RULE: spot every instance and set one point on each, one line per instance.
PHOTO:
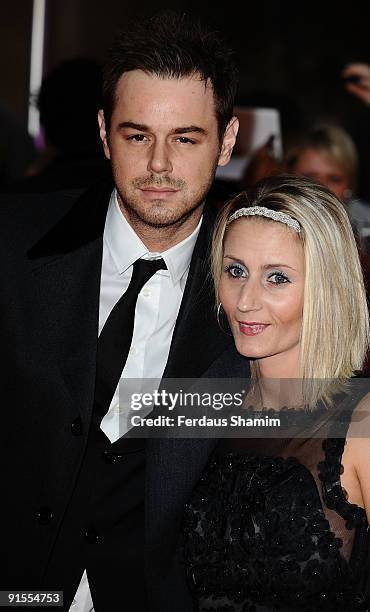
(144, 269)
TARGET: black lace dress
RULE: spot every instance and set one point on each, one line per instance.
(269, 528)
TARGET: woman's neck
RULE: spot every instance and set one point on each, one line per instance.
(279, 380)
(282, 365)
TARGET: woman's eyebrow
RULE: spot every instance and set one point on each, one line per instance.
(278, 265)
(265, 266)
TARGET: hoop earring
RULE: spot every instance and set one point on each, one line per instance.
(218, 320)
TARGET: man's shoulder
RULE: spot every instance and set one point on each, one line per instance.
(204, 241)
(210, 211)
(34, 213)
(26, 218)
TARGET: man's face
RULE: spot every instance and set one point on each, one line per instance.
(164, 147)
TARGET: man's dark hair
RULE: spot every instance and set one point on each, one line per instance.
(172, 45)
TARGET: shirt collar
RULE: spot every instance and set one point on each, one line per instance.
(126, 247)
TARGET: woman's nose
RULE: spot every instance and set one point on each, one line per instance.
(250, 297)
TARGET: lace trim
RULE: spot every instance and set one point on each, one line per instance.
(334, 495)
(331, 468)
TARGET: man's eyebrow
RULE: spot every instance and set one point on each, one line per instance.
(145, 128)
(190, 128)
(135, 126)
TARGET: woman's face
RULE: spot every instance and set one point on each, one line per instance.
(261, 291)
(321, 168)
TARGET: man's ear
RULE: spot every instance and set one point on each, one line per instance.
(228, 141)
(103, 133)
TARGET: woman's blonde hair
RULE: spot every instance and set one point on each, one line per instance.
(335, 327)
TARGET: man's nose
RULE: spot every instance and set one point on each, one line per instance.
(159, 158)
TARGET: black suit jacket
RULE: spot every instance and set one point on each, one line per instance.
(51, 253)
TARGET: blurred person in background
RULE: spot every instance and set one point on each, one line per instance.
(17, 150)
(357, 80)
(262, 164)
(68, 101)
(327, 155)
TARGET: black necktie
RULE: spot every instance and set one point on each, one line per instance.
(115, 338)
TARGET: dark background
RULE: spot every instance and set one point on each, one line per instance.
(293, 49)
(289, 53)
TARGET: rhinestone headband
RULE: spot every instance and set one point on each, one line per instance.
(261, 211)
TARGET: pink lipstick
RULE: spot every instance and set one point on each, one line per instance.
(252, 328)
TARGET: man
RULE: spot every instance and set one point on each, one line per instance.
(93, 513)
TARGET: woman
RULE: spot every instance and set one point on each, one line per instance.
(269, 526)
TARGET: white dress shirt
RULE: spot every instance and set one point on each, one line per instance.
(157, 307)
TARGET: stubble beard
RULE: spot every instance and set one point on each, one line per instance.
(160, 214)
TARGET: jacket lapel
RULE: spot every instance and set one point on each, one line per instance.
(197, 340)
(66, 266)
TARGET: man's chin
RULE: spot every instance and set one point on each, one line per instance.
(161, 221)
(157, 214)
